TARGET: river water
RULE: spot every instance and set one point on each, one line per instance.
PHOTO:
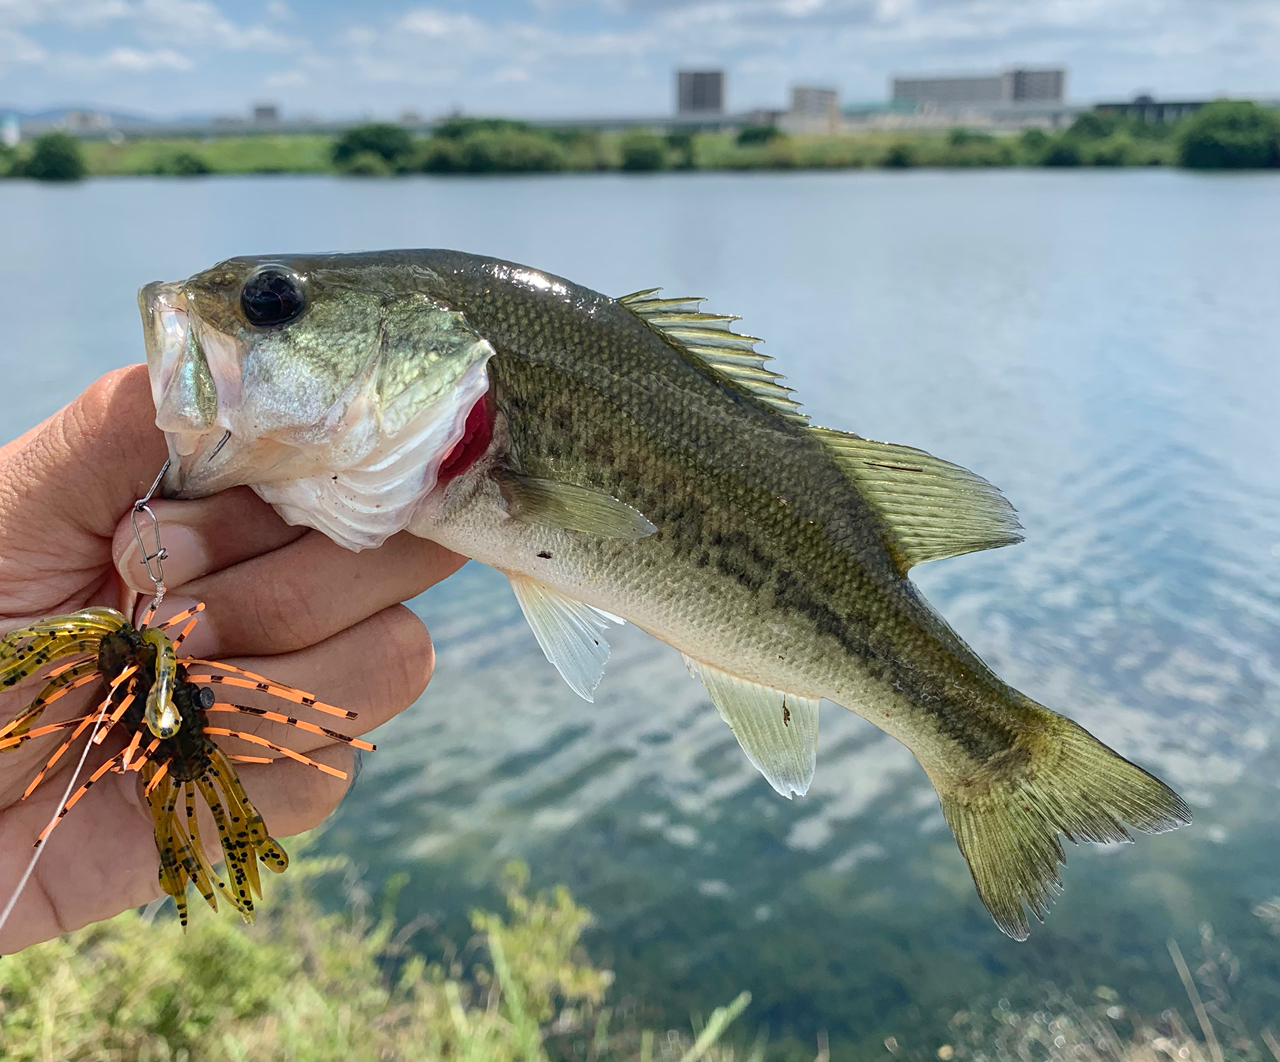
(1102, 346)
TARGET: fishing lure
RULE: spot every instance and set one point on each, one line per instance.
(163, 708)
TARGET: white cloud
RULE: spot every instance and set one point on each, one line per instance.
(136, 61)
(600, 56)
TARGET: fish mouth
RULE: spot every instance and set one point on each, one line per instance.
(195, 384)
(357, 472)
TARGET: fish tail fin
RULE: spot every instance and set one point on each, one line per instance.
(1060, 781)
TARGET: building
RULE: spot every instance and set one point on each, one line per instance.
(700, 92)
(266, 114)
(982, 91)
(813, 111)
(1151, 111)
(10, 131)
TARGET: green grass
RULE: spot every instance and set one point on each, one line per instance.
(245, 154)
(305, 985)
(315, 986)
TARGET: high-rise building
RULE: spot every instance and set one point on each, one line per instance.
(700, 92)
(983, 90)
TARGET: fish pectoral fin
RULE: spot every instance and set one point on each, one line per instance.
(571, 633)
(934, 509)
(1007, 819)
(778, 731)
(572, 508)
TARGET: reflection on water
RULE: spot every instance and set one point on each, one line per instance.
(1101, 346)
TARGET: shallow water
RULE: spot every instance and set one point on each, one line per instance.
(1100, 345)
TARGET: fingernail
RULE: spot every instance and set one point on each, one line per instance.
(185, 558)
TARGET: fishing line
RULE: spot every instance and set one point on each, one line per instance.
(75, 777)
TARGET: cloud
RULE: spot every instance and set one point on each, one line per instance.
(134, 60)
(600, 56)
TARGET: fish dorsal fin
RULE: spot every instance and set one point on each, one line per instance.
(572, 508)
(934, 509)
(778, 731)
(570, 633)
(708, 339)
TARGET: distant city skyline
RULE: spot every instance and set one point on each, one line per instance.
(587, 57)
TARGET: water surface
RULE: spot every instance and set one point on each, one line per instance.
(1100, 345)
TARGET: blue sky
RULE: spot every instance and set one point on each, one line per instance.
(584, 57)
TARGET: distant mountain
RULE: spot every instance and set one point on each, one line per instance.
(60, 115)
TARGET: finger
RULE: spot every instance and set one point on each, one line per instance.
(202, 536)
(63, 487)
(292, 797)
(87, 463)
(375, 669)
(99, 861)
(308, 591)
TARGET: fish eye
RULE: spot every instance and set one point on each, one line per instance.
(272, 297)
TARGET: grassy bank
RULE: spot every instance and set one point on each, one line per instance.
(307, 984)
(1224, 135)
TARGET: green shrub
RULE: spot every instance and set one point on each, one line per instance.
(757, 134)
(392, 144)
(366, 164)
(643, 152)
(681, 146)
(1062, 151)
(1094, 125)
(977, 151)
(899, 156)
(55, 157)
(327, 988)
(181, 164)
(1230, 135)
(458, 128)
(509, 151)
(1033, 144)
(1115, 150)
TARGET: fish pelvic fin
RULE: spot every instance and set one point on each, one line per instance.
(570, 633)
(933, 509)
(1007, 822)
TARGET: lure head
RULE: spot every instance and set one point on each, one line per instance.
(334, 385)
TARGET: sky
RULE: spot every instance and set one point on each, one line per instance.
(547, 58)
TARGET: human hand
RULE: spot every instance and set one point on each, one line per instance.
(282, 601)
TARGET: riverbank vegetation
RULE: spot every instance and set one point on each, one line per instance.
(308, 984)
(1224, 135)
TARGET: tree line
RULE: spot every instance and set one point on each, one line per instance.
(1223, 135)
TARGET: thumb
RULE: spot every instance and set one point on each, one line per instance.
(65, 483)
(84, 466)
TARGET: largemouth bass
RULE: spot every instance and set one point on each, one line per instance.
(635, 459)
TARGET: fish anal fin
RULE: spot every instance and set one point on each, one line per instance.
(707, 338)
(1066, 783)
(569, 507)
(778, 731)
(933, 509)
(570, 633)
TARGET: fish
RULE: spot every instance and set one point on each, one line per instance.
(637, 460)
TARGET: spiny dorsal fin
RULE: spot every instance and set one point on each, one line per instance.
(706, 336)
(935, 509)
(778, 731)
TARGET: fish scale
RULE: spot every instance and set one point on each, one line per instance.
(644, 463)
